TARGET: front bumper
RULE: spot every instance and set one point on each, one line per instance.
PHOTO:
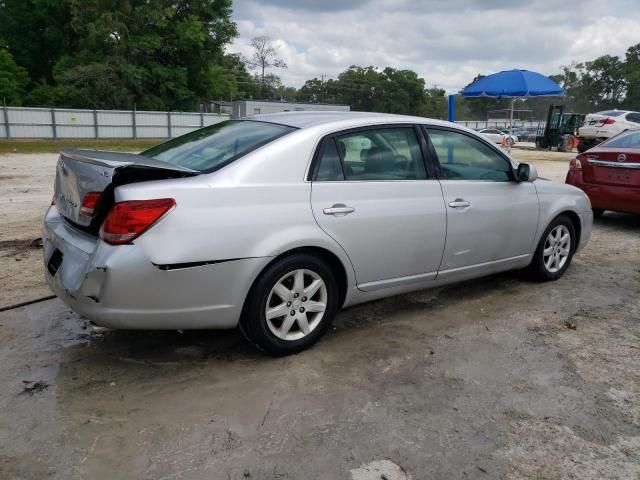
(119, 287)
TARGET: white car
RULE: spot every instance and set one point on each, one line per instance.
(496, 136)
(600, 126)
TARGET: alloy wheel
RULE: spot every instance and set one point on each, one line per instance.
(557, 248)
(296, 304)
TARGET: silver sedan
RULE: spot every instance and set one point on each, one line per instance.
(275, 222)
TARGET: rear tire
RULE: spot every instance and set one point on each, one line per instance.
(555, 251)
(597, 212)
(291, 305)
(583, 147)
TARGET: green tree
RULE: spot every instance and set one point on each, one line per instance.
(13, 78)
(632, 78)
(311, 91)
(372, 90)
(156, 54)
(37, 33)
(245, 85)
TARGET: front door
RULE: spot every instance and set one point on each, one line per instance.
(491, 219)
(371, 193)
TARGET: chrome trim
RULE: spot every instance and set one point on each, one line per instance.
(396, 282)
(604, 163)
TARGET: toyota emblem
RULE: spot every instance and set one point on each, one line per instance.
(622, 157)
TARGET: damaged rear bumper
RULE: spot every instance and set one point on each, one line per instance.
(119, 287)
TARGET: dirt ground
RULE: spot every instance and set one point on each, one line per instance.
(490, 379)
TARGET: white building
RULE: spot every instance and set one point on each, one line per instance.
(246, 108)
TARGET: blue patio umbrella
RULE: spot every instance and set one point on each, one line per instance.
(514, 84)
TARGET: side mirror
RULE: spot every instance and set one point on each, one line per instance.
(526, 173)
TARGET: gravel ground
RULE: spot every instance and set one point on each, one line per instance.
(495, 378)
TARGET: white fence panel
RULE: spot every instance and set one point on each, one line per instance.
(177, 131)
(115, 131)
(74, 117)
(212, 119)
(115, 124)
(479, 124)
(31, 116)
(29, 123)
(75, 131)
(152, 125)
(3, 130)
(114, 118)
(185, 119)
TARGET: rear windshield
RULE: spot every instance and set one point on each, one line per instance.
(210, 148)
(624, 140)
(611, 113)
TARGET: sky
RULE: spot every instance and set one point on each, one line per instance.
(447, 42)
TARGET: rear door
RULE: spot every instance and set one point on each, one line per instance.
(373, 194)
(491, 219)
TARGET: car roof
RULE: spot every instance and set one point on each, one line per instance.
(310, 118)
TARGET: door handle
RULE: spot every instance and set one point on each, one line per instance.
(338, 210)
(459, 203)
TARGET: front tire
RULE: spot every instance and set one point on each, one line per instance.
(291, 305)
(555, 250)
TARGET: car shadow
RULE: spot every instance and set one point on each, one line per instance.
(176, 348)
(623, 222)
(198, 347)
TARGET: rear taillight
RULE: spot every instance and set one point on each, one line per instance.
(608, 121)
(89, 204)
(575, 164)
(128, 220)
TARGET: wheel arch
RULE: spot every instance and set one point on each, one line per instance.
(334, 262)
(577, 225)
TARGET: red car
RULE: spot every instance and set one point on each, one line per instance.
(610, 174)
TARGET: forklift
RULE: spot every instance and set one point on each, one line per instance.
(560, 131)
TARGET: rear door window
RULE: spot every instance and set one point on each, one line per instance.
(210, 148)
(633, 117)
(382, 154)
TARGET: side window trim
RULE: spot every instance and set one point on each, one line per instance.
(461, 132)
(315, 162)
(428, 157)
(334, 139)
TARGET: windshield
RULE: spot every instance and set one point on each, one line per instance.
(625, 140)
(210, 148)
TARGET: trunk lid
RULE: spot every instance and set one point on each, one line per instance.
(594, 120)
(79, 172)
(618, 167)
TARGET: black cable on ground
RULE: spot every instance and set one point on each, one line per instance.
(28, 302)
